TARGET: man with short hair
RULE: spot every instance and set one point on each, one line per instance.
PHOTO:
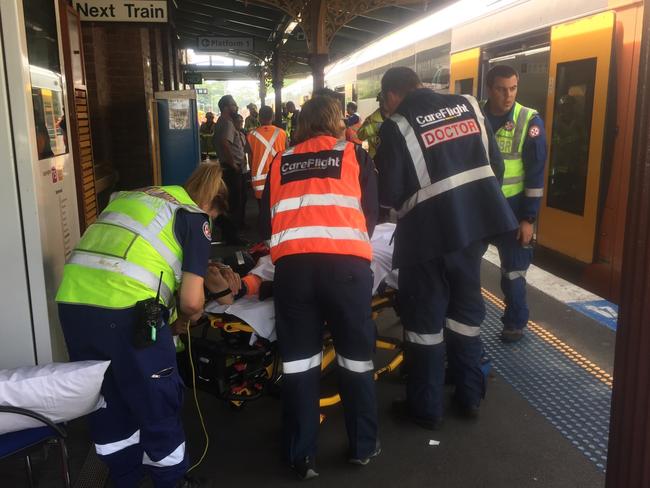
(232, 156)
(292, 121)
(252, 121)
(352, 123)
(522, 141)
(265, 142)
(440, 168)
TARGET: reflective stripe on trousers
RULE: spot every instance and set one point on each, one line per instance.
(463, 329)
(353, 365)
(302, 365)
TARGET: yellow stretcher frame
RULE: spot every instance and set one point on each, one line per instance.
(329, 354)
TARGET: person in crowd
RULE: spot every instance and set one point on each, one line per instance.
(318, 209)
(293, 115)
(440, 169)
(369, 130)
(265, 142)
(352, 123)
(146, 248)
(521, 137)
(252, 121)
(206, 134)
(232, 156)
(246, 175)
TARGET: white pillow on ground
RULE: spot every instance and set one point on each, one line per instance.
(58, 391)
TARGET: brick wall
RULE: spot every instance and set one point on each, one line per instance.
(124, 65)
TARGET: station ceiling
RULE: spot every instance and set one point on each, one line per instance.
(267, 25)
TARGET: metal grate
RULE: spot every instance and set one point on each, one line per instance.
(94, 473)
(566, 393)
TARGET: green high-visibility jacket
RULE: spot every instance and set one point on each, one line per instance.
(120, 257)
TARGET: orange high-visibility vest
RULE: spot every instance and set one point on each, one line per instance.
(265, 142)
(351, 133)
(315, 200)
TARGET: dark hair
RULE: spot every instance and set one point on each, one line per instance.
(400, 80)
(290, 103)
(320, 116)
(266, 114)
(351, 106)
(225, 100)
(326, 92)
(500, 71)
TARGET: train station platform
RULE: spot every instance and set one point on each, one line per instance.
(544, 422)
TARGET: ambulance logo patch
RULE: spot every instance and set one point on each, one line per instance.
(206, 231)
(533, 131)
(509, 125)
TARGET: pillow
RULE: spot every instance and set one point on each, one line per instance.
(58, 391)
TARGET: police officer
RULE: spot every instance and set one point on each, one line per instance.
(147, 243)
(369, 130)
(318, 209)
(293, 115)
(438, 167)
(520, 134)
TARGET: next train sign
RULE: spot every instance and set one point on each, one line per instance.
(122, 10)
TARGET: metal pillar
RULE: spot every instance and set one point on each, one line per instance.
(318, 63)
(278, 82)
(629, 442)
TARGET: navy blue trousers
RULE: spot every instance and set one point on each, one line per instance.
(140, 428)
(309, 291)
(515, 261)
(440, 302)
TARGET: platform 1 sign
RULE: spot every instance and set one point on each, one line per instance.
(122, 10)
(225, 43)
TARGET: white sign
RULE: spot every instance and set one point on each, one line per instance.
(122, 10)
(225, 43)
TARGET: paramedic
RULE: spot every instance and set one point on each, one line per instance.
(522, 141)
(437, 163)
(318, 209)
(141, 236)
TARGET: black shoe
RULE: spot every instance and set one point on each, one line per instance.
(464, 410)
(305, 468)
(366, 460)
(511, 335)
(191, 482)
(400, 409)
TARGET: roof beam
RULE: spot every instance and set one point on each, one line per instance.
(236, 8)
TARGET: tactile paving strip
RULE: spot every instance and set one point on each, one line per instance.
(568, 390)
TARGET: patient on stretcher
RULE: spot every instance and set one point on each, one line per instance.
(251, 305)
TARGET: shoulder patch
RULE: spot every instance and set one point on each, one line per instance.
(206, 231)
(534, 131)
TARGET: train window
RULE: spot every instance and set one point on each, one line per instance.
(432, 66)
(46, 79)
(464, 87)
(569, 161)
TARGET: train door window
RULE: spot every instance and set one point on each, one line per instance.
(464, 87)
(532, 66)
(432, 66)
(569, 162)
(47, 82)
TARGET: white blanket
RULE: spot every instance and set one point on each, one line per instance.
(261, 315)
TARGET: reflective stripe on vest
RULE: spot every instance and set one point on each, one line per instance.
(129, 246)
(511, 144)
(427, 188)
(259, 178)
(318, 213)
(123, 267)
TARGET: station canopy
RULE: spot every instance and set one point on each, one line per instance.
(253, 31)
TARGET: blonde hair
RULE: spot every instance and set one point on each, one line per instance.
(206, 187)
(320, 116)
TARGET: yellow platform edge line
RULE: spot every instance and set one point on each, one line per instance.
(564, 348)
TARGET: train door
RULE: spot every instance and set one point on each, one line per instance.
(532, 66)
(465, 71)
(578, 86)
